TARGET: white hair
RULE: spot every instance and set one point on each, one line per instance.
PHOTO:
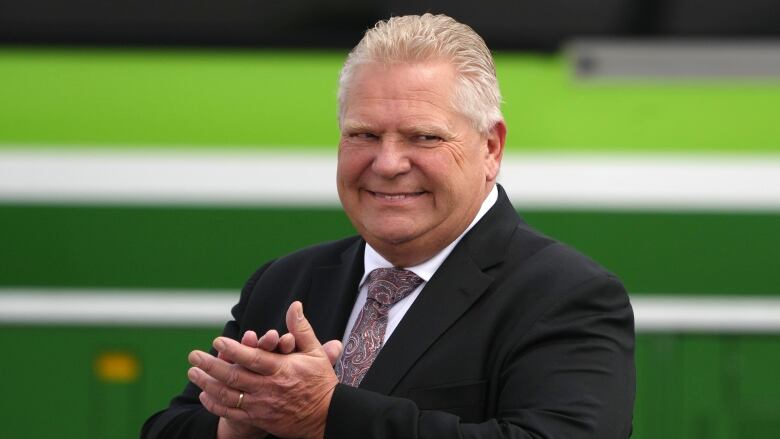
(422, 38)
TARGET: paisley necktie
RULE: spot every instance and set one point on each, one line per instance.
(385, 286)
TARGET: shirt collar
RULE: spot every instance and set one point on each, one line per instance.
(373, 260)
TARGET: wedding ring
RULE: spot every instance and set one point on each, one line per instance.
(240, 400)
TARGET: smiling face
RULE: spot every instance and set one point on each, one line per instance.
(412, 172)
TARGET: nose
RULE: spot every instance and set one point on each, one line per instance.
(391, 159)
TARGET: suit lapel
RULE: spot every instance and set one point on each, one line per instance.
(457, 284)
(333, 292)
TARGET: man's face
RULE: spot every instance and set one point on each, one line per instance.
(412, 172)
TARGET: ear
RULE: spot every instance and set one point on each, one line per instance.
(494, 152)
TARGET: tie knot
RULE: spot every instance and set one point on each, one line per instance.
(389, 285)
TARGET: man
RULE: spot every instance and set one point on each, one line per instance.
(458, 319)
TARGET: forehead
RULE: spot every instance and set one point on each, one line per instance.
(402, 84)
(428, 75)
(411, 89)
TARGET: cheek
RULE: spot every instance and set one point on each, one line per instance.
(351, 163)
(444, 169)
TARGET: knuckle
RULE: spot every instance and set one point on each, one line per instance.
(232, 377)
(206, 401)
(223, 394)
(207, 365)
(257, 361)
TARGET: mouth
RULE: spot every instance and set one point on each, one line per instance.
(395, 196)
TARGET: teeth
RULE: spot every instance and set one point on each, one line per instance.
(393, 196)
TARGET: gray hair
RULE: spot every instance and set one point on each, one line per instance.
(421, 38)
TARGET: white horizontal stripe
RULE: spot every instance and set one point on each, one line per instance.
(116, 307)
(233, 177)
(168, 176)
(706, 314)
(653, 313)
(644, 182)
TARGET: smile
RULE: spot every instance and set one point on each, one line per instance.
(395, 196)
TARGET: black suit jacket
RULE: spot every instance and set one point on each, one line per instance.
(516, 335)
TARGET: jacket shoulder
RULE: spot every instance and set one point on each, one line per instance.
(281, 281)
(322, 254)
(552, 262)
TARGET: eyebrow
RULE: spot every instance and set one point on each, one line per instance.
(424, 128)
(359, 126)
(353, 125)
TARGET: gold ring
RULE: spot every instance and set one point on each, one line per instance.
(240, 400)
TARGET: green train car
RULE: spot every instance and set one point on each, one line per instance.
(133, 179)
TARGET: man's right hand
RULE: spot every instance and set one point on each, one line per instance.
(270, 342)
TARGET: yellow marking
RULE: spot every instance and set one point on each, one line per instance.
(117, 367)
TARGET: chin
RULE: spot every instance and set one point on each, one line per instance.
(393, 238)
(391, 235)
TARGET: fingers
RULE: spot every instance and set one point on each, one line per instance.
(286, 344)
(333, 350)
(257, 360)
(249, 338)
(269, 341)
(217, 407)
(301, 336)
(217, 391)
(299, 327)
(220, 370)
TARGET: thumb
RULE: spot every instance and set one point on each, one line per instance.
(299, 327)
(333, 350)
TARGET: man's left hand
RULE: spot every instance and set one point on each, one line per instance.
(285, 395)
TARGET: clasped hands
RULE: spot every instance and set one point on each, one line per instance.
(287, 381)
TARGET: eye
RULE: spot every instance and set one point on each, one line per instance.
(363, 136)
(427, 138)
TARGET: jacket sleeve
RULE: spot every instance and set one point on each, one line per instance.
(570, 376)
(185, 417)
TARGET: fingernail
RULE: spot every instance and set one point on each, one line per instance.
(219, 344)
(194, 358)
(192, 373)
(299, 313)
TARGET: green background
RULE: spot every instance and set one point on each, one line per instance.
(257, 99)
(714, 385)
(218, 248)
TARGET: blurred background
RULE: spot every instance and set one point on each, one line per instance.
(154, 153)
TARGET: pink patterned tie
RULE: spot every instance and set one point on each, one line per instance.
(386, 286)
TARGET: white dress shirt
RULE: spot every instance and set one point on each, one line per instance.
(373, 260)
